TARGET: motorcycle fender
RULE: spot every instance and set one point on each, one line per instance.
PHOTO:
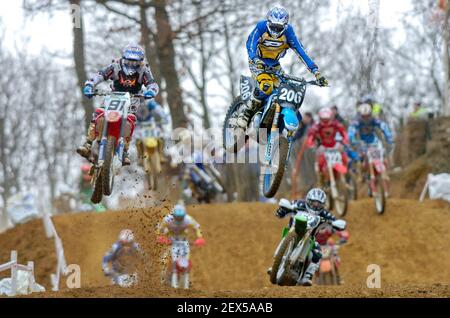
(151, 142)
(340, 168)
(325, 266)
(290, 119)
(379, 167)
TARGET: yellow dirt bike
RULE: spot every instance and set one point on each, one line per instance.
(149, 145)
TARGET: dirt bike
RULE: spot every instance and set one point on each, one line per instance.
(375, 164)
(293, 254)
(180, 265)
(148, 142)
(108, 148)
(334, 173)
(328, 273)
(273, 126)
(205, 184)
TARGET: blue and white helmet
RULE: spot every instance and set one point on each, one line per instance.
(277, 21)
(132, 58)
(315, 200)
(179, 212)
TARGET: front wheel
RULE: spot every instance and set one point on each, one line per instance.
(154, 169)
(278, 274)
(272, 181)
(379, 196)
(97, 194)
(107, 169)
(341, 201)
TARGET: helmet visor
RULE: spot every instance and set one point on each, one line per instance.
(131, 63)
(276, 28)
(315, 205)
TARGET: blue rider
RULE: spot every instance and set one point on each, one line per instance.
(266, 44)
(123, 257)
(368, 130)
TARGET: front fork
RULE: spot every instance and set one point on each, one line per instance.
(334, 192)
(274, 132)
(384, 179)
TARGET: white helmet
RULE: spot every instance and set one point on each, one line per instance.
(277, 21)
(315, 200)
(365, 110)
(126, 236)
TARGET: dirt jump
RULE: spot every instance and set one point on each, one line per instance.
(409, 244)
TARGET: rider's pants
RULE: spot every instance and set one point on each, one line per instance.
(266, 82)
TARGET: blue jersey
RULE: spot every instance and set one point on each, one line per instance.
(121, 257)
(270, 49)
(367, 131)
(150, 110)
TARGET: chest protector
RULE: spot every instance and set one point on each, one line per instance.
(272, 48)
(123, 83)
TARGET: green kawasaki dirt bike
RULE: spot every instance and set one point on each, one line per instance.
(293, 253)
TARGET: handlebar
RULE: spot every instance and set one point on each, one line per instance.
(292, 78)
(99, 92)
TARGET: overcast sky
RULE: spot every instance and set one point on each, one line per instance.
(52, 34)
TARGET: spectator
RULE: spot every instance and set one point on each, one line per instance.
(419, 112)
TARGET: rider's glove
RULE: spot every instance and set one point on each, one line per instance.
(149, 94)
(322, 81)
(282, 212)
(163, 240)
(199, 242)
(88, 91)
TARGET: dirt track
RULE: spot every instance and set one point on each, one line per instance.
(410, 243)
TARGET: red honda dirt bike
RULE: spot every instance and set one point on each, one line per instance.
(375, 165)
(176, 271)
(108, 148)
(334, 174)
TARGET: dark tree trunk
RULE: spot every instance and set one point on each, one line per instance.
(149, 46)
(166, 54)
(80, 63)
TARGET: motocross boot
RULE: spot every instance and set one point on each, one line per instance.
(306, 280)
(85, 149)
(126, 157)
(247, 112)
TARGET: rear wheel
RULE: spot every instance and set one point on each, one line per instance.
(233, 138)
(279, 275)
(352, 186)
(380, 196)
(272, 181)
(107, 169)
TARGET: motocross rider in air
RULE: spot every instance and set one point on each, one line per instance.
(128, 74)
(266, 44)
(314, 203)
